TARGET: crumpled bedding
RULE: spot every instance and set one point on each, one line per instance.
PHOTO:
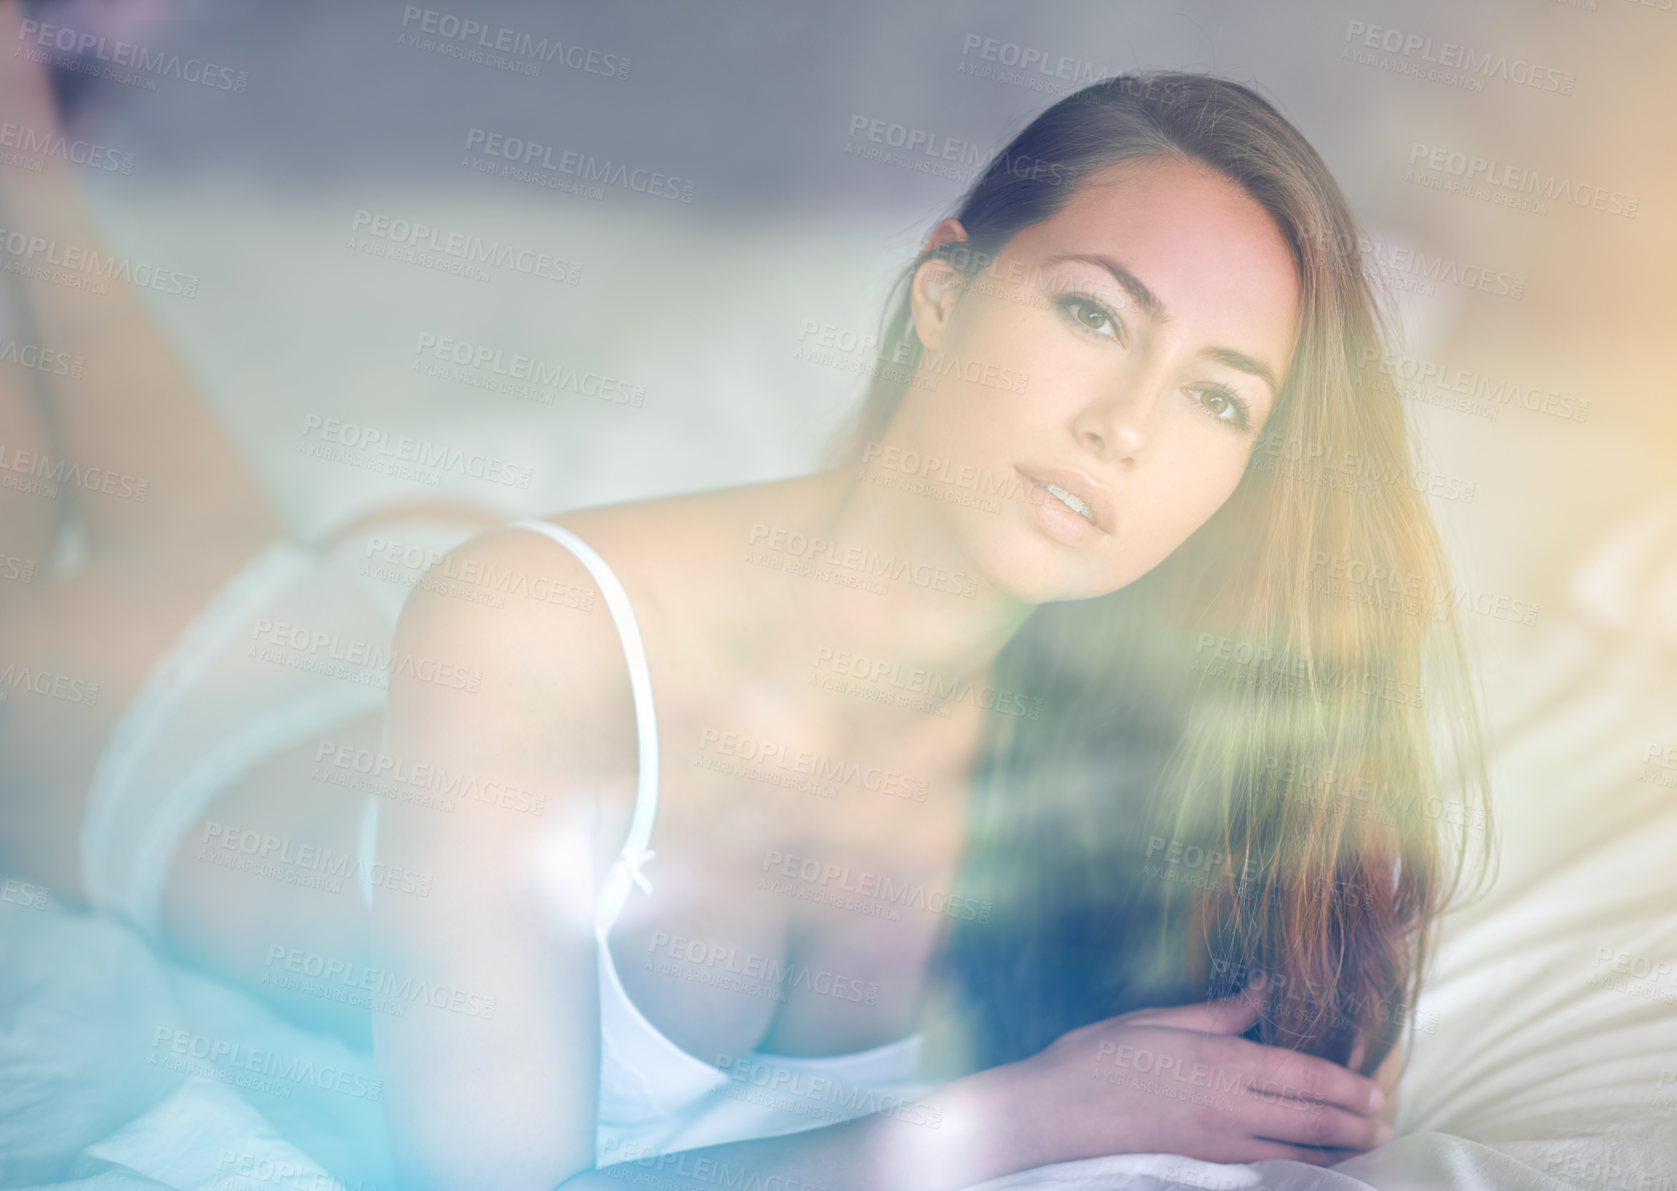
(1546, 1053)
(120, 1070)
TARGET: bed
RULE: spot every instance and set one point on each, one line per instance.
(1547, 1049)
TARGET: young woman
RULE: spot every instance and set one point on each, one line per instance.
(1046, 775)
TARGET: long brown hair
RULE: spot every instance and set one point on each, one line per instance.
(1251, 759)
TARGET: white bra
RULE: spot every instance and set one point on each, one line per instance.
(655, 1096)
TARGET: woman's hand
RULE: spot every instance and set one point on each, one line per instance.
(1183, 1081)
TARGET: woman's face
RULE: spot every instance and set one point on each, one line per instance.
(1104, 379)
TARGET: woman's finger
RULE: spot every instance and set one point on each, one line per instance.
(1312, 1123)
(1293, 1075)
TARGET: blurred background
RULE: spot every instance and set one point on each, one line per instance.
(324, 184)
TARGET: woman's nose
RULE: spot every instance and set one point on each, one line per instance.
(1119, 424)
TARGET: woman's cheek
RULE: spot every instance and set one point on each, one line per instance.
(1214, 461)
(1205, 475)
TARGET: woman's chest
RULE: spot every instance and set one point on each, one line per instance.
(800, 889)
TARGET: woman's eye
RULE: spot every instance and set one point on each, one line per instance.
(1222, 404)
(1090, 316)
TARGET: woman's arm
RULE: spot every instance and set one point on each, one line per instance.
(959, 1136)
(1176, 1080)
(529, 697)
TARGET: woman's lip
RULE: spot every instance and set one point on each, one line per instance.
(1103, 509)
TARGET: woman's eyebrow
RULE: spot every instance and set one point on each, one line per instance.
(1133, 285)
(1245, 363)
(1155, 310)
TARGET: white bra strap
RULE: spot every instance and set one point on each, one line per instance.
(627, 870)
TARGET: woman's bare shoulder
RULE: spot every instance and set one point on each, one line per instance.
(524, 622)
(528, 607)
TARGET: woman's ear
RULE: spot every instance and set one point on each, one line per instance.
(936, 286)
